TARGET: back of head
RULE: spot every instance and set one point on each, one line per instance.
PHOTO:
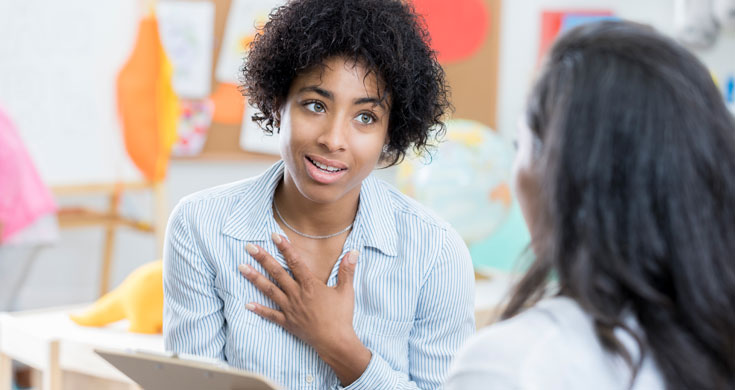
(637, 167)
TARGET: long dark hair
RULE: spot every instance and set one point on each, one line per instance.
(637, 171)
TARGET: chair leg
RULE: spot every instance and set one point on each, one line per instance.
(160, 218)
(109, 247)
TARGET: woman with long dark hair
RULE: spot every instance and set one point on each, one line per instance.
(626, 176)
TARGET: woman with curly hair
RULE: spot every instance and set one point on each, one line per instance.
(626, 177)
(350, 85)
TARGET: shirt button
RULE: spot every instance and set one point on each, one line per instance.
(309, 379)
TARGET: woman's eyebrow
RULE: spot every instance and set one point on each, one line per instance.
(320, 91)
(375, 101)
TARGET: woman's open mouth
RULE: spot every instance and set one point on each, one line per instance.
(324, 171)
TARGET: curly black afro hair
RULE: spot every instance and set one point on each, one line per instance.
(387, 36)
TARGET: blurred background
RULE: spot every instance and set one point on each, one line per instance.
(111, 111)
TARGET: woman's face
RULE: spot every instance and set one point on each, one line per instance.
(526, 178)
(333, 126)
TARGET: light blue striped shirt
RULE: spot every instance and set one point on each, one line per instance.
(414, 288)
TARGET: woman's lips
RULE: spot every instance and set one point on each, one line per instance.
(315, 168)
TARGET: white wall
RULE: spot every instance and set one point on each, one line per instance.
(520, 39)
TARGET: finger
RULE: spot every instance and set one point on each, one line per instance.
(300, 270)
(288, 285)
(346, 274)
(269, 314)
(268, 288)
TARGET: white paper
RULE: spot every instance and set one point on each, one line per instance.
(254, 139)
(187, 34)
(242, 20)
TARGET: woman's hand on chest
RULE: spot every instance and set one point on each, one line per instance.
(309, 309)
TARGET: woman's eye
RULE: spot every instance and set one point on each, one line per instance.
(315, 106)
(365, 119)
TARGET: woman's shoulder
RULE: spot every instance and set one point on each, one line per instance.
(551, 345)
(232, 190)
(507, 344)
(216, 204)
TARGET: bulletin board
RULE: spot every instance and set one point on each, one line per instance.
(223, 140)
(472, 77)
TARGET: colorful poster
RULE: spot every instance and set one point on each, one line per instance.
(571, 21)
(187, 34)
(196, 116)
(243, 19)
(555, 22)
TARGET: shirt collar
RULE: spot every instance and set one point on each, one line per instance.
(248, 220)
(375, 221)
(375, 217)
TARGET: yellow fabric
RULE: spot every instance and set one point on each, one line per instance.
(139, 299)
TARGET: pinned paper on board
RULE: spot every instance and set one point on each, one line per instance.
(229, 104)
(458, 28)
(554, 23)
(187, 34)
(196, 116)
(254, 139)
(244, 18)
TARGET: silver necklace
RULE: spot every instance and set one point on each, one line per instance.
(308, 235)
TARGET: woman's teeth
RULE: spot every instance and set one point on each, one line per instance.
(324, 167)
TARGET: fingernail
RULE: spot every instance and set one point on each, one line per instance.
(276, 238)
(252, 249)
(352, 257)
(244, 269)
(250, 307)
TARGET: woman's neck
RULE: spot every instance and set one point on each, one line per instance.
(311, 217)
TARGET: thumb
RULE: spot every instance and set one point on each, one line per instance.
(347, 270)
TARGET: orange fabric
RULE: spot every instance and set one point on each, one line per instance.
(147, 103)
(229, 104)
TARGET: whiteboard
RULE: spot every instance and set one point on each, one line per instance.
(58, 66)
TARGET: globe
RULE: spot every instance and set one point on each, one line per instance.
(465, 180)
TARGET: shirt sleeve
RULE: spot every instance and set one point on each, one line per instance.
(444, 320)
(524, 352)
(193, 319)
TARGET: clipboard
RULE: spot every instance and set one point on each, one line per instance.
(155, 371)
